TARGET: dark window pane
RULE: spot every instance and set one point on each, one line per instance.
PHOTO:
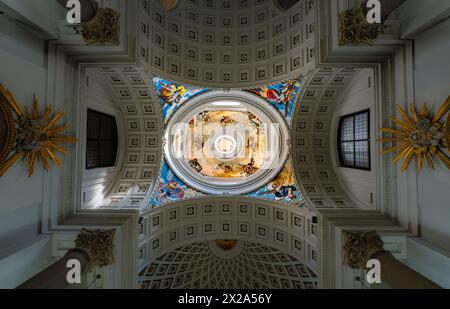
(92, 154)
(361, 126)
(348, 153)
(108, 153)
(354, 139)
(362, 154)
(101, 143)
(108, 128)
(93, 124)
(347, 129)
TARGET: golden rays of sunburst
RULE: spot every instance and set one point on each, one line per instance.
(420, 135)
(39, 136)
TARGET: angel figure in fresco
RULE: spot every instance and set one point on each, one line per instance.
(281, 191)
(282, 98)
(195, 165)
(254, 119)
(171, 190)
(225, 168)
(172, 94)
(206, 117)
(227, 120)
(249, 169)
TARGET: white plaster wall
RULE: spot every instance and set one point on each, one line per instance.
(428, 260)
(23, 71)
(359, 184)
(41, 16)
(432, 85)
(26, 263)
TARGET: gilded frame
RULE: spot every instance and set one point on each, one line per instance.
(10, 129)
(447, 131)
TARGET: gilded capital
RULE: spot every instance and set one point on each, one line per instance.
(354, 28)
(447, 131)
(103, 28)
(359, 247)
(98, 245)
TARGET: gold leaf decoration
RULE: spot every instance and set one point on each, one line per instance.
(39, 136)
(447, 131)
(354, 28)
(418, 134)
(226, 244)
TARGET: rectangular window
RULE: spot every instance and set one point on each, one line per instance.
(101, 141)
(354, 140)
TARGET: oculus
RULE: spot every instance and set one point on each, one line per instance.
(226, 142)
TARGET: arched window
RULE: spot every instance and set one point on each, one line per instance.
(354, 140)
(101, 141)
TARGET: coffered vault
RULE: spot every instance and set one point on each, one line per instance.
(198, 265)
(227, 44)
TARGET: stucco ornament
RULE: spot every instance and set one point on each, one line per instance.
(355, 30)
(103, 28)
(99, 246)
(359, 247)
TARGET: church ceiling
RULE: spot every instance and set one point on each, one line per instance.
(227, 265)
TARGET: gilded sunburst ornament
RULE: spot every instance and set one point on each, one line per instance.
(419, 134)
(39, 135)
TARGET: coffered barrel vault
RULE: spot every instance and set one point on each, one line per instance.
(227, 44)
(286, 228)
(197, 265)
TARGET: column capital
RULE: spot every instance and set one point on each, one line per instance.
(359, 247)
(354, 28)
(98, 245)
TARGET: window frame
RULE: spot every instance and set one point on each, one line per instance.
(354, 141)
(101, 114)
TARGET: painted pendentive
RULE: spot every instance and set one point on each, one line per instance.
(282, 95)
(172, 95)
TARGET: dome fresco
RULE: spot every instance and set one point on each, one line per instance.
(233, 142)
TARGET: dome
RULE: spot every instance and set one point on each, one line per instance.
(226, 142)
